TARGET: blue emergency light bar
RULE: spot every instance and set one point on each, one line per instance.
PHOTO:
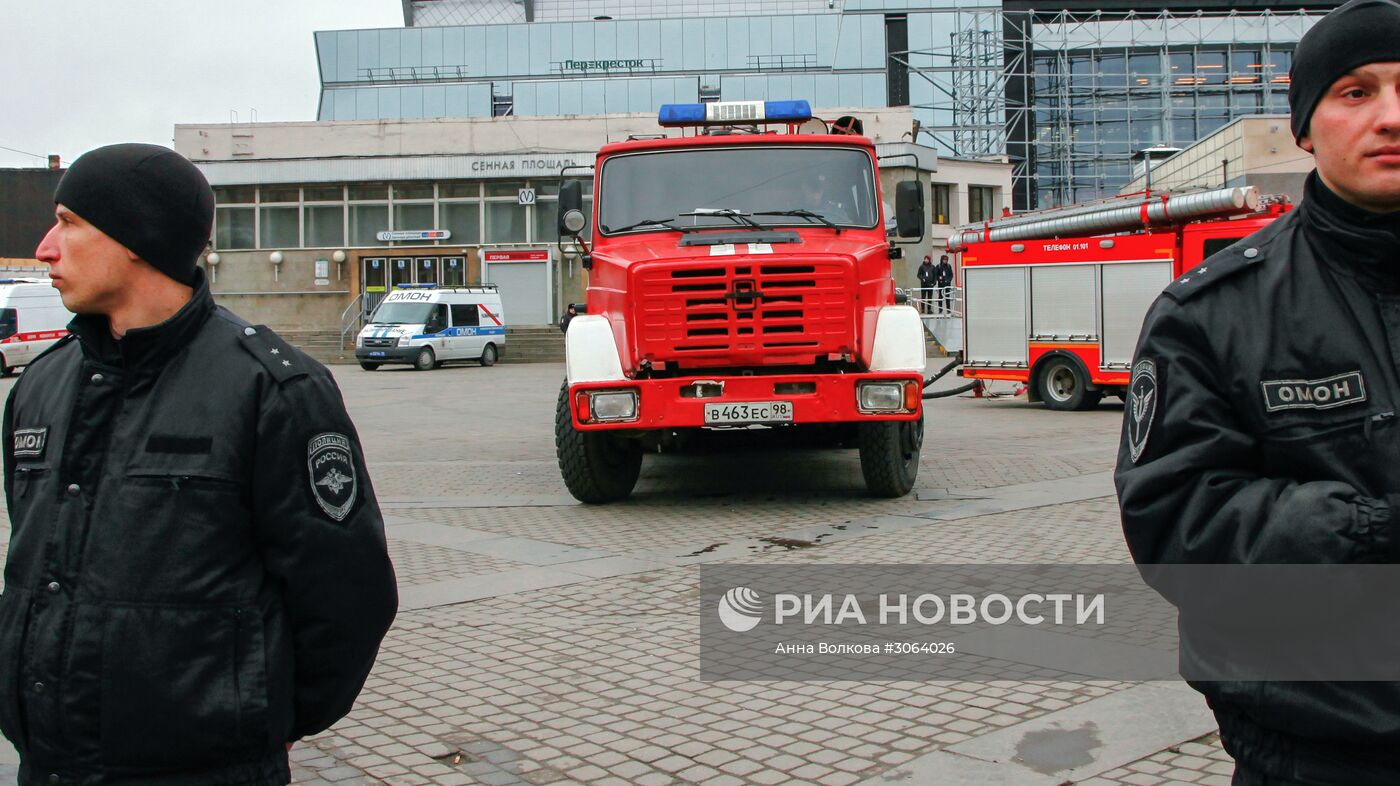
(732, 112)
(415, 286)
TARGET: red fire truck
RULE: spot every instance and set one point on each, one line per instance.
(739, 278)
(1055, 299)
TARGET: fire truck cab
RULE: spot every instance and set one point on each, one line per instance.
(739, 278)
(1061, 312)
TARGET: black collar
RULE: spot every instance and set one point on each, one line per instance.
(1351, 239)
(145, 348)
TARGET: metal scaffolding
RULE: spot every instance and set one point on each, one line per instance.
(1068, 97)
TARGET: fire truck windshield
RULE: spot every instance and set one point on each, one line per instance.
(736, 187)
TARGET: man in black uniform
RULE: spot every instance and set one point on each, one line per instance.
(197, 574)
(928, 279)
(943, 279)
(1261, 420)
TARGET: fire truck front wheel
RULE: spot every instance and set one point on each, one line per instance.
(1063, 385)
(889, 455)
(598, 466)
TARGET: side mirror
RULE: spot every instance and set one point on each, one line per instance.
(571, 217)
(909, 209)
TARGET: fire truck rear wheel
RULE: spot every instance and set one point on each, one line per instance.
(598, 466)
(426, 360)
(889, 455)
(1064, 386)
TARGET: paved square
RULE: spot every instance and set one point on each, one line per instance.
(540, 641)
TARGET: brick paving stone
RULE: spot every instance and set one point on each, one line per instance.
(603, 673)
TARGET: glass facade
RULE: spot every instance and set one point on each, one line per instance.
(1067, 96)
(1102, 91)
(322, 216)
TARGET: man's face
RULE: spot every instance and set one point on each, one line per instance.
(1355, 136)
(88, 268)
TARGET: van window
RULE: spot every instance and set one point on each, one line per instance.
(465, 315)
(437, 319)
(9, 322)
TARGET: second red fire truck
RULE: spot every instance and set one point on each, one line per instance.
(1055, 300)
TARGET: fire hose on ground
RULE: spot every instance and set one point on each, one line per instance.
(969, 387)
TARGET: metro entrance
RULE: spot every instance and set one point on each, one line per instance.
(379, 275)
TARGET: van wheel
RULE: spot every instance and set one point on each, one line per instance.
(6, 370)
(598, 466)
(368, 366)
(1063, 386)
(425, 360)
(889, 455)
(489, 355)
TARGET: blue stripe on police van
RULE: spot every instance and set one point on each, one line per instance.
(464, 331)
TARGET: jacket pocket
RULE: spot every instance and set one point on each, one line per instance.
(182, 687)
(14, 617)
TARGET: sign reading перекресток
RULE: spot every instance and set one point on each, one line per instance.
(605, 65)
(1052, 622)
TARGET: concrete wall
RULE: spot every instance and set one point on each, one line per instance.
(346, 138)
(246, 283)
(1257, 150)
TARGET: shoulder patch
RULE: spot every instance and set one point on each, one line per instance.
(1217, 268)
(281, 359)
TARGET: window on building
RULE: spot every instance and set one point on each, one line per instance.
(980, 202)
(278, 226)
(234, 227)
(941, 202)
(413, 216)
(505, 222)
(323, 225)
(463, 220)
(366, 221)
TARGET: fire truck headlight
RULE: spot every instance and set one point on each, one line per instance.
(881, 396)
(614, 406)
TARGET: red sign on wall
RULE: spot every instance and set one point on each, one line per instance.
(518, 255)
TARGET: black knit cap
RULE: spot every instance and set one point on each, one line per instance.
(1357, 33)
(146, 197)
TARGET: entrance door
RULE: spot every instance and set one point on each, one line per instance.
(400, 271)
(524, 283)
(454, 271)
(374, 277)
(427, 268)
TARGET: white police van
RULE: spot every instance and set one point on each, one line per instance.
(32, 319)
(426, 326)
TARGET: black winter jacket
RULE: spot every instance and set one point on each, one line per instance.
(197, 571)
(1261, 428)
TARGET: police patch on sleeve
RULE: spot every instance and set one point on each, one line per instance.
(330, 459)
(1142, 405)
(30, 442)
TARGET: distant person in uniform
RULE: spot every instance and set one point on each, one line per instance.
(1260, 423)
(569, 314)
(197, 574)
(928, 281)
(944, 281)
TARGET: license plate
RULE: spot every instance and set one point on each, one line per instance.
(376, 354)
(741, 412)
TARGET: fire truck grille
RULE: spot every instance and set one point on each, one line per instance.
(781, 312)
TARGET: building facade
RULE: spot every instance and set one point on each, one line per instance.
(315, 220)
(1256, 150)
(1068, 91)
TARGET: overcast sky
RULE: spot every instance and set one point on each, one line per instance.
(78, 74)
